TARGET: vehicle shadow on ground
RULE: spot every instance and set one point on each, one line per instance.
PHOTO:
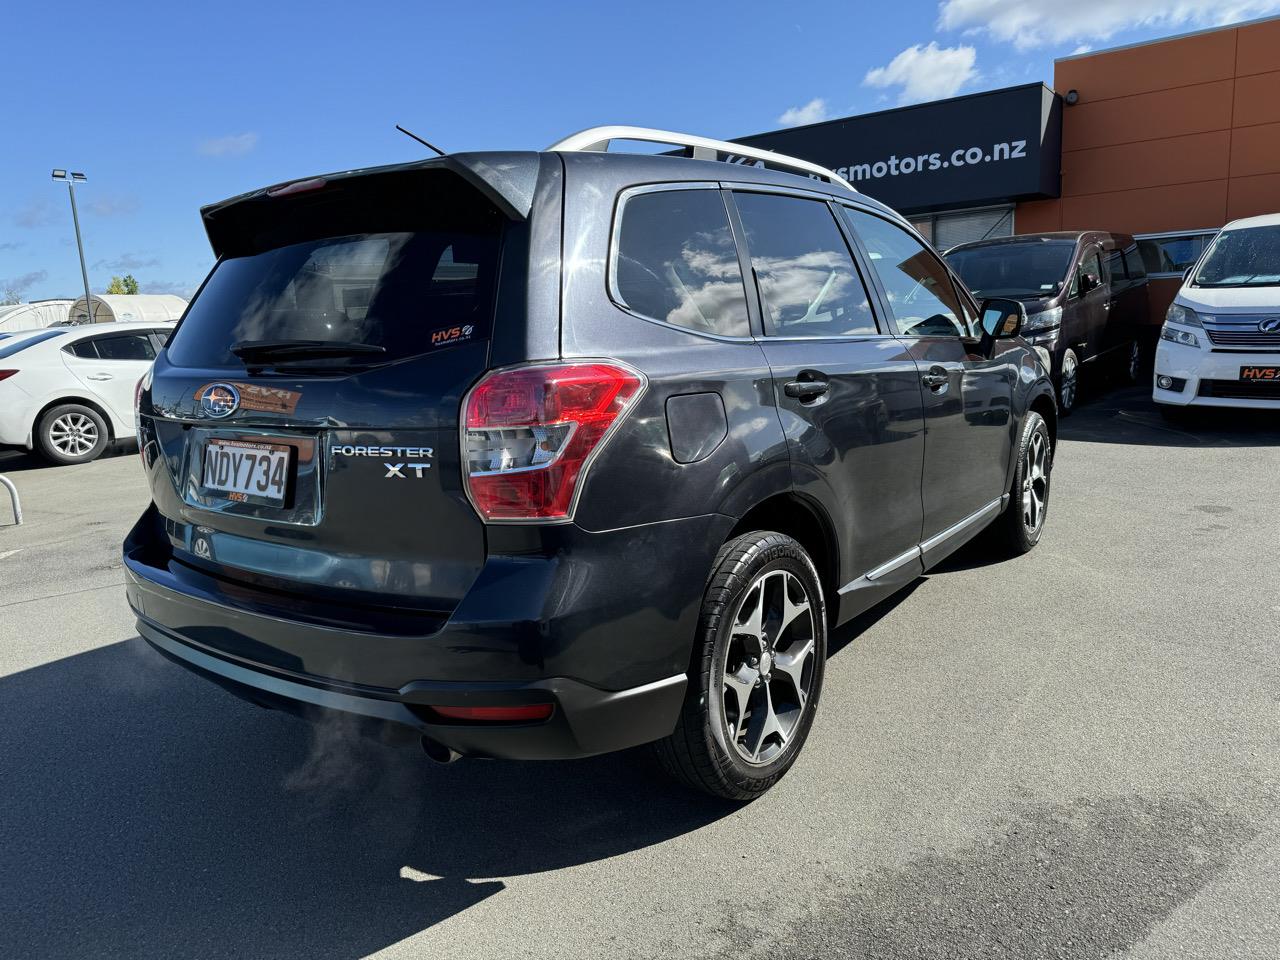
(1130, 416)
(148, 814)
(15, 459)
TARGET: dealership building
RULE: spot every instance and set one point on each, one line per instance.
(1166, 141)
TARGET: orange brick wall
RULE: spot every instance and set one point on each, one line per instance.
(1178, 135)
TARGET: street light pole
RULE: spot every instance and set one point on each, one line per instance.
(72, 179)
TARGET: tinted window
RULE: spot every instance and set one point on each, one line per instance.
(1025, 269)
(1133, 263)
(83, 348)
(133, 346)
(677, 262)
(1172, 255)
(388, 289)
(917, 285)
(809, 286)
(1090, 264)
(1115, 267)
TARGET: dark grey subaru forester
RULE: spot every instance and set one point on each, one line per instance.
(542, 455)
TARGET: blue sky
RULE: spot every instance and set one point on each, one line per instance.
(168, 106)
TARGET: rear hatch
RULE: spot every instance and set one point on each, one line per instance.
(304, 414)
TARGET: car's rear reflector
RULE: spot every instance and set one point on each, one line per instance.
(529, 432)
(6, 374)
(525, 712)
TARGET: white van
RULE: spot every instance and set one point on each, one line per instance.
(1220, 343)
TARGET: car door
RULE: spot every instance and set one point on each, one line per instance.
(110, 365)
(1092, 302)
(847, 390)
(966, 394)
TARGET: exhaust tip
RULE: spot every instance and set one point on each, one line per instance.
(438, 751)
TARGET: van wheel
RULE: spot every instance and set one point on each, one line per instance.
(71, 433)
(1068, 382)
(1019, 528)
(756, 671)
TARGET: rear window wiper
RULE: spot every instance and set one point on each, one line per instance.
(272, 351)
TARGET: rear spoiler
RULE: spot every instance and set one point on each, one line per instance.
(508, 180)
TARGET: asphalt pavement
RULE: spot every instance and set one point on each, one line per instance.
(1072, 754)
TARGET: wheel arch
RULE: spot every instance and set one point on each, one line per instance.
(808, 524)
(1043, 403)
(93, 405)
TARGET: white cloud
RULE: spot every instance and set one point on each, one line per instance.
(1036, 23)
(926, 73)
(127, 261)
(814, 111)
(234, 145)
(113, 205)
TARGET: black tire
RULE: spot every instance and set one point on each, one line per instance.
(1067, 382)
(1014, 534)
(707, 751)
(71, 433)
(1133, 361)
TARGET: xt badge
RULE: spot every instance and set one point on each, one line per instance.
(395, 469)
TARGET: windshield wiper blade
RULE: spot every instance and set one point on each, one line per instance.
(270, 351)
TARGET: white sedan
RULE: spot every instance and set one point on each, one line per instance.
(68, 391)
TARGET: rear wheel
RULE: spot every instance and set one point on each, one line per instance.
(71, 433)
(756, 673)
(1020, 526)
(1068, 382)
(1133, 363)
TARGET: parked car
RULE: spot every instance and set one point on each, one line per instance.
(1085, 294)
(537, 455)
(67, 392)
(1220, 343)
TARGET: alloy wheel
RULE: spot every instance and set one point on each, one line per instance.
(768, 667)
(1035, 482)
(73, 434)
(1067, 392)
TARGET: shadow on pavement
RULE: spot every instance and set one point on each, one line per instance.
(1130, 416)
(16, 459)
(148, 814)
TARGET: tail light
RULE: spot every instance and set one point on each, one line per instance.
(529, 433)
(6, 374)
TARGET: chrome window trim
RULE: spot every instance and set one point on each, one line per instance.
(615, 239)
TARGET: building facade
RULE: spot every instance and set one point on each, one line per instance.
(1166, 141)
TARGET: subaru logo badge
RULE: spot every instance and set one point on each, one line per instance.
(219, 400)
(1269, 325)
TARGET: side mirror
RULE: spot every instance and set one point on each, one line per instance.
(1002, 318)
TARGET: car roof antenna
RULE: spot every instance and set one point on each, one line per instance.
(429, 146)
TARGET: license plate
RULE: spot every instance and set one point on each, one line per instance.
(245, 471)
(1260, 373)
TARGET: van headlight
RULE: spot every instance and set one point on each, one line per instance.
(1176, 335)
(1177, 313)
(1045, 320)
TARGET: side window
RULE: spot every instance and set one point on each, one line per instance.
(809, 286)
(917, 285)
(1115, 268)
(1090, 264)
(677, 262)
(83, 348)
(132, 346)
(158, 338)
(1133, 264)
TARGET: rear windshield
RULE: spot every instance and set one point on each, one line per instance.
(1013, 269)
(409, 291)
(1248, 257)
(17, 342)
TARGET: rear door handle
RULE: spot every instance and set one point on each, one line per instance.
(806, 391)
(98, 376)
(936, 378)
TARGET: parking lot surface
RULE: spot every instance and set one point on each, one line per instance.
(1072, 754)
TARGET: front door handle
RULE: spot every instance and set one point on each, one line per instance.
(936, 378)
(98, 376)
(806, 391)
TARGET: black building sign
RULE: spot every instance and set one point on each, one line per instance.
(1004, 145)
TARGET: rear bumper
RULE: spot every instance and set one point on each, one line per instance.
(601, 625)
(585, 721)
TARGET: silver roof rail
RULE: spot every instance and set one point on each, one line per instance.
(704, 148)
